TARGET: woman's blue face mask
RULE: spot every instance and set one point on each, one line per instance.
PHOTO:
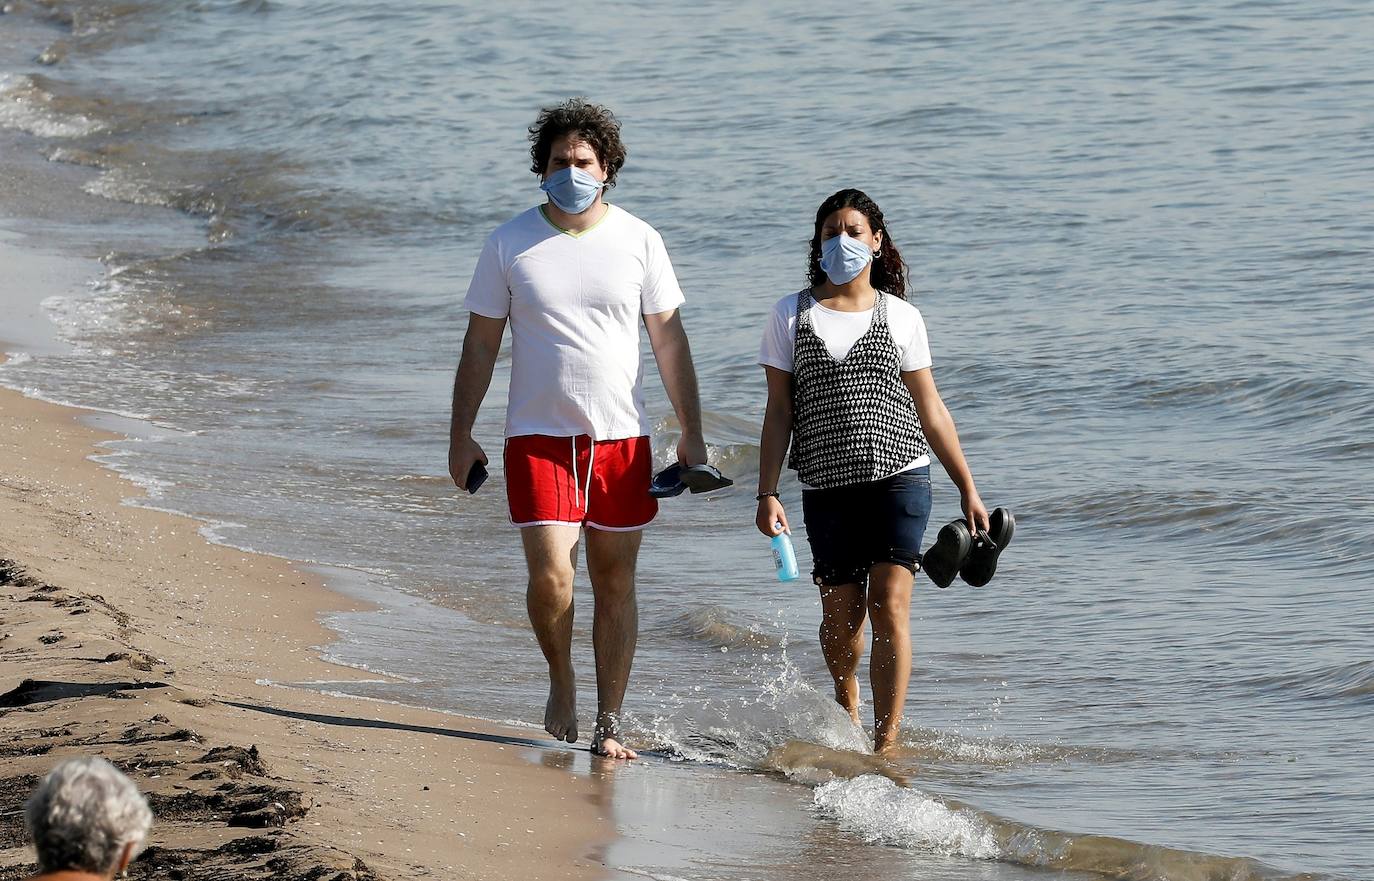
(572, 189)
(843, 258)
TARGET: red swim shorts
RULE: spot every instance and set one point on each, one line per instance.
(601, 484)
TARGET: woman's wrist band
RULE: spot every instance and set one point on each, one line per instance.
(761, 496)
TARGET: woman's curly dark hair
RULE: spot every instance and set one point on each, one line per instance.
(592, 123)
(889, 270)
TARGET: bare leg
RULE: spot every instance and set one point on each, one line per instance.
(611, 558)
(551, 557)
(842, 641)
(889, 606)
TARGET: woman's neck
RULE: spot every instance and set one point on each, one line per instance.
(855, 295)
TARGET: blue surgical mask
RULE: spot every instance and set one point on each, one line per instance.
(844, 258)
(572, 189)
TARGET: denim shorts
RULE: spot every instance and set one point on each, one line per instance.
(850, 528)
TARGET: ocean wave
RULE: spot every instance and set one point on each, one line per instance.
(1137, 507)
(38, 394)
(1354, 679)
(881, 811)
(134, 302)
(1278, 397)
(745, 733)
(27, 106)
(237, 193)
(731, 442)
(949, 748)
(713, 625)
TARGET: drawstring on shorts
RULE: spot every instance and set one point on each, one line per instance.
(586, 490)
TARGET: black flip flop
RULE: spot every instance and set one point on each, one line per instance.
(952, 545)
(704, 478)
(668, 483)
(981, 564)
(675, 480)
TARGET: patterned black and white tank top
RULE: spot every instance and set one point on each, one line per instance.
(853, 420)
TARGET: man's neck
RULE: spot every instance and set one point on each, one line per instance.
(576, 222)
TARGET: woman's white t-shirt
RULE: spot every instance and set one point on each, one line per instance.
(839, 331)
(574, 303)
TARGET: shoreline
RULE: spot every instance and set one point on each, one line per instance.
(126, 633)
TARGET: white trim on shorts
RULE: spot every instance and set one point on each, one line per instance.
(638, 528)
(584, 524)
(543, 523)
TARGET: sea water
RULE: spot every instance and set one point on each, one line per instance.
(1139, 235)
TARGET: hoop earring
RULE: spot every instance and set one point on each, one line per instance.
(878, 253)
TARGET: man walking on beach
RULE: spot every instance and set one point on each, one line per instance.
(574, 277)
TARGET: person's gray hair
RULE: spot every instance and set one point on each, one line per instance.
(83, 814)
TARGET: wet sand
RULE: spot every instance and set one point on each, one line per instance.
(126, 634)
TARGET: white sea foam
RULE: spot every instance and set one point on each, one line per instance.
(154, 487)
(885, 813)
(646, 873)
(78, 316)
(25, 106)
(119, 185)
(742, 733)
(39, 395)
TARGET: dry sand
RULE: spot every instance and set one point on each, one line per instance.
(125, 634)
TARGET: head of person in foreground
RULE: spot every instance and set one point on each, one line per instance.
(87, 820)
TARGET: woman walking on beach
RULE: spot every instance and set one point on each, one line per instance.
(850, 384)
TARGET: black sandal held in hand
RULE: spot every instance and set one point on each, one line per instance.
(675, 480)
(981, 564)
(951, 549)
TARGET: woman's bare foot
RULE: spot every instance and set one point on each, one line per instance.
(560, 713)
(847, 696)
(885, 740)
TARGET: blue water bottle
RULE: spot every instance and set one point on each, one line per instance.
(784, 559)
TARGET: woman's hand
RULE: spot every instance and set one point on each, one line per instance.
(770, 514)
(975, 513)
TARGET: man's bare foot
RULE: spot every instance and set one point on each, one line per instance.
(560, 713)
(610, 748)
(606, 740)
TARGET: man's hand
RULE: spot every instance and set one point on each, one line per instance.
(463, 453)
(691, 450)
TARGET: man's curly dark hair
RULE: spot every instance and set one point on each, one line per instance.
(592, 123)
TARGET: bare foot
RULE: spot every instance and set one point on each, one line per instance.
(560, 713)
(610, 748)
(847, 696)
(606, 739)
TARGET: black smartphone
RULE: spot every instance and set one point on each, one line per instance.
(477, 475)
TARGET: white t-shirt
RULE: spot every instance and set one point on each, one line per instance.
(574, 302)
(841, 330)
